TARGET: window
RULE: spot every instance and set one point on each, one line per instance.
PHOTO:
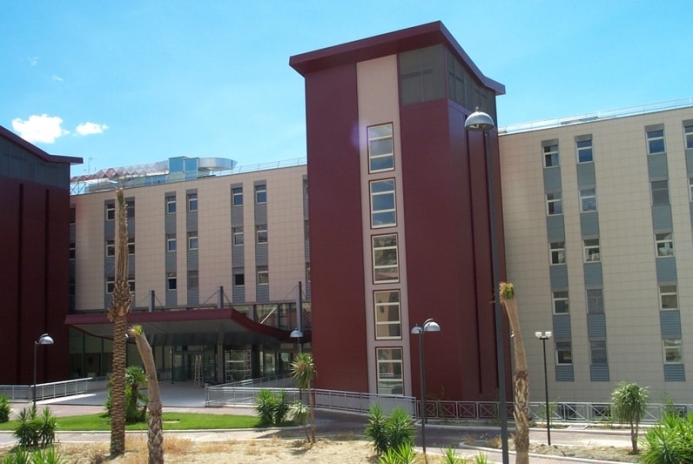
(668, 297)
(238, 279)
(383, 212)
(655, 142)
(672, 351)
(564, 353)
(688, 137)
(110, 248)
(261, 233)
(665, 244)
(262, 275)
(110, 211)
(390, 379)
(380, 148)
(110, 285)
(591, 250)
(660, 192)
(131, 284)
(130, 208)
(387, 315)
(598, 352)
(422, 75)
(237, 196)
(171, 243)
(584, 151)
(238, 236)
(550, 156)
(560, 302)
(72, 250)
(192, 202)
(385, 259)
(192, 240)
(557, 252)
(690, 187)
(554, 204)
(193, 280)
(131, 246)
(307, 272)
(171, 283)
(260, 194)
(595, 301)
(170, 205)
(588, 200)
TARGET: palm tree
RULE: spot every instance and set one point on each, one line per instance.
(118, 313)
(155, 435)
(303, 370)
(628, 404)
(520, 379)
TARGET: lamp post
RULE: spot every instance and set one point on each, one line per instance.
(479, 121)
(297, 334)
(543, 336)
(44, 339)
(429, 326)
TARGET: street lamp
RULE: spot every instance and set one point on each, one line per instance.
(44, 339)
(297, 334)
(480, 121)
(429, 326)
(543, 336)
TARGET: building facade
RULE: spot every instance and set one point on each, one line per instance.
(215, 267)
(598, 241)
(34, 187)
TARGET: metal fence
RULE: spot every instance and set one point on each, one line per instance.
(51, 390)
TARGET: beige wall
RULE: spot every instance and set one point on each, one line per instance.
(631, 300)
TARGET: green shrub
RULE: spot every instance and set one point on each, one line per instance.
(281, 408)
(449, 457)
(4, 408)
(135, 400)
(272, 408)
(22, 456)
(389, 433)
(670, 441)
(34, 431)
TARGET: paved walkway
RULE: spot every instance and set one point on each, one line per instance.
(188, 398)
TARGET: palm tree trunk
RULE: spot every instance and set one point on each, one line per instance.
(155, 435)
(311, 402)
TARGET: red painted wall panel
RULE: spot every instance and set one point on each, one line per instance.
(337, 290)
(9, 296)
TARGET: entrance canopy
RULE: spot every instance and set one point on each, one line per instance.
(189, 327)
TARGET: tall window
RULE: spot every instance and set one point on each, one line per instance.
(598, 352)
(192, 202)
(237, 194)
(192, 241)
(688, 137)
(672, 351)
(238, 236)
(171, 282)
(170, 204)
(380, 148)
(564, 353)
(131, 245)
(260, 194)
(584, 151)
(110, 248)
(130, 208)
(110, 285)
(592, 250)
(171, 243)
(588, 200)
(668, 297)
(595, 301)
(387, 315)
(554, 204)
(238, 278)
(550, 156)
(660, 192)
(262, 275)
(262, 233)
(557, 252)
(383, 211)
(73, 250)
(390, 379)
(110, 211)
(193, 280)
(665, 244)
(655, 142)
(385, 259)
(560, 302)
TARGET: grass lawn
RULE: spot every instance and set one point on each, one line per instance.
(172, 421)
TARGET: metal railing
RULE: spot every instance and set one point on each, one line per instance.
(51, 390)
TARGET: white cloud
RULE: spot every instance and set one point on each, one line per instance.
(57, 78)
(42, 129)
(89, 128)
(33, 61)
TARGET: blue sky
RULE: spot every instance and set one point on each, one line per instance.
(128, 82)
